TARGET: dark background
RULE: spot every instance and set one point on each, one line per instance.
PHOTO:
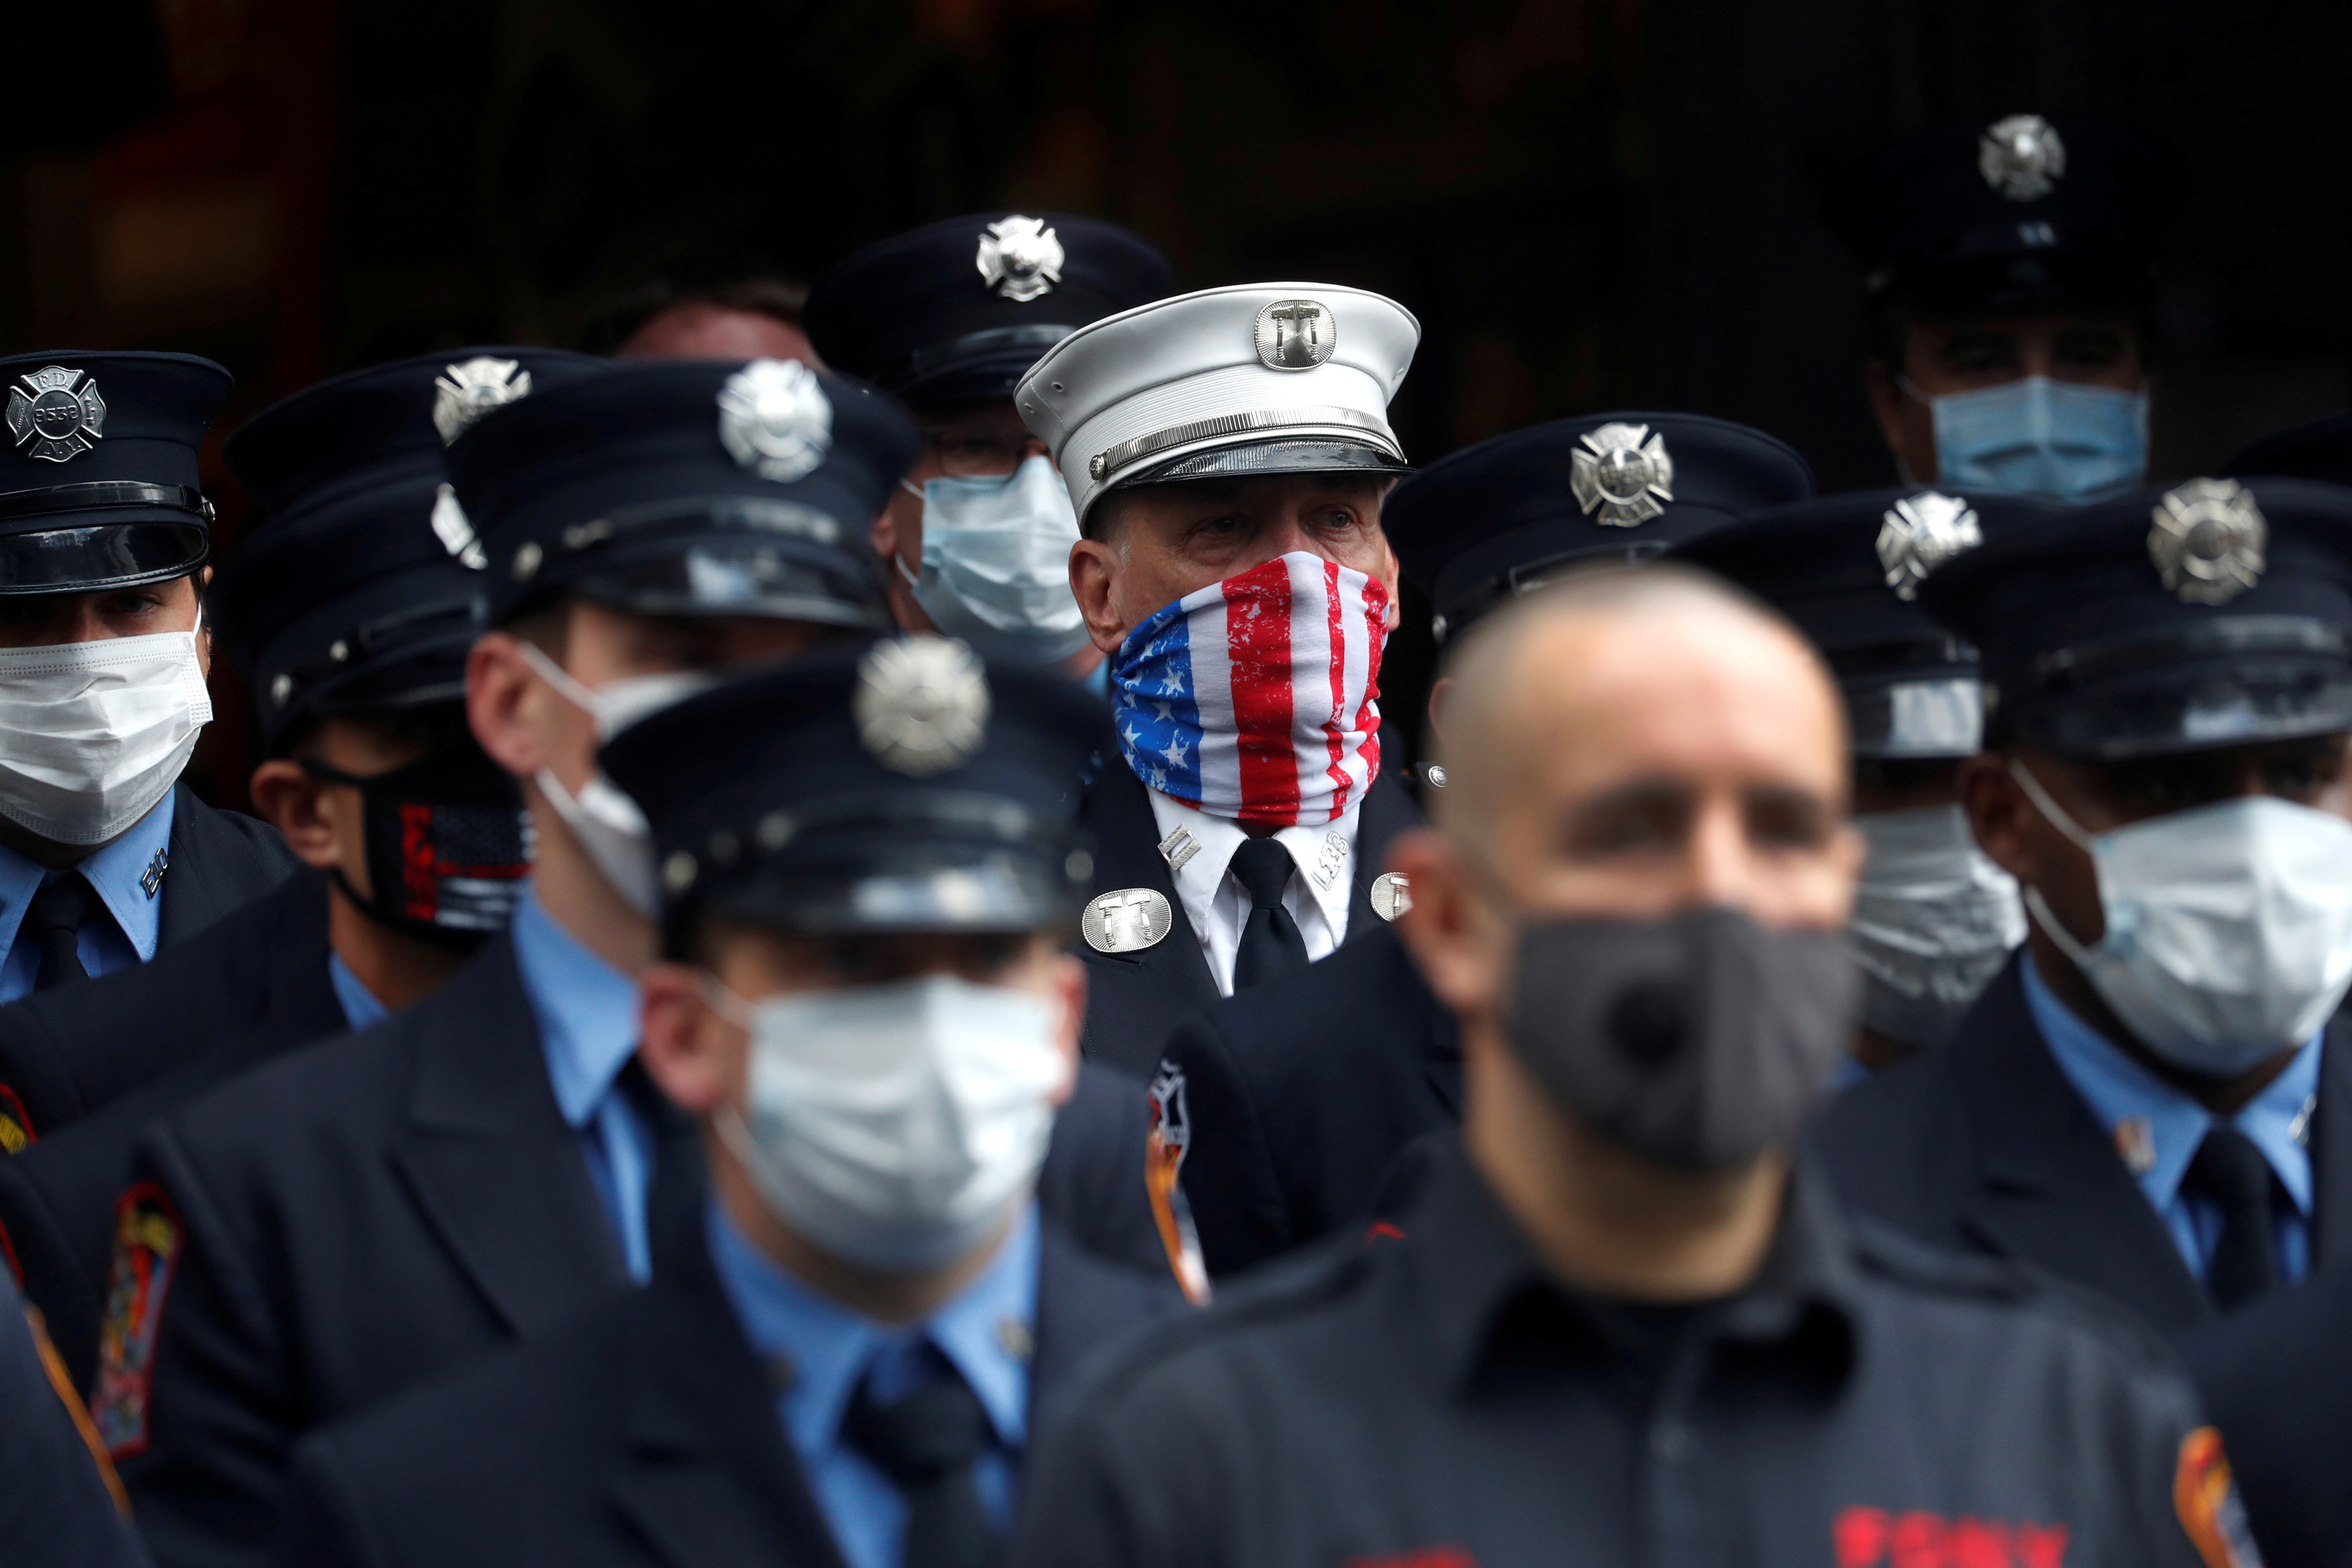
(1589, 203)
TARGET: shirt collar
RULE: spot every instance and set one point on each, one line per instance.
(360, 1009)
(1486, 1288)
(115, 873)
(1325, 854)
(586, 1009)
(820, 1349)
(2118, 1089)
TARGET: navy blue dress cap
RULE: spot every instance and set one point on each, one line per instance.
(363, 586)
(689, 487)
(2023, 211)
(98, 468)
(955, 312)
(1846, 570)
(2216, 613)
(896, 785)
(2318, 449)
(1497, 518)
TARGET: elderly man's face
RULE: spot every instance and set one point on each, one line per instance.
(1164, 542)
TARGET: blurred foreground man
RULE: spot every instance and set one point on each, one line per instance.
(947, 318)
(2011, 273)
(869, 865)
(2155, 1098)
(104, 537)
(1934, 919)
(1298, 1097)
(350, 611)
(337, 1225)
(1228, 452)
(1624, 1325)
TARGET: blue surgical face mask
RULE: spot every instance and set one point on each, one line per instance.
(996, 564)
(2042, 438)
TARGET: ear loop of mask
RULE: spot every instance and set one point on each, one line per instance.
(2056, 816)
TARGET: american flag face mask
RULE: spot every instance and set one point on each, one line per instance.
(1257, 698)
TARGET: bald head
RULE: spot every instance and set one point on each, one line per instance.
(1674, 741)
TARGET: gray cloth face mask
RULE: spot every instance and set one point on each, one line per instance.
(1698, 1041)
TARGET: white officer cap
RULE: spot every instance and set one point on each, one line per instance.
(1259, 378)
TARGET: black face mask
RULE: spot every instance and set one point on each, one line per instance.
(449, 845)
(1698, 1041)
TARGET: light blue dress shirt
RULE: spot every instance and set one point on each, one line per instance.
(2277, 1121)
(361, 1009)
(587, 1013)
(986, 1330)
(114, 873)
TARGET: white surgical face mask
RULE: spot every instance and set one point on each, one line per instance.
(1934, 920)
(897, 1126)
(996, 564)
(607, 824)
(96, 733)
(2229, 931)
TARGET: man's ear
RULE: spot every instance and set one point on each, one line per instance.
(503, 695)
(688, 1050)
(1448, 929)
(287, 797)
(1999, 815)
(1438, 689)
(1094, 576)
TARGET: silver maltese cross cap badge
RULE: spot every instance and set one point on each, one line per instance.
(1020, 258)
(1128, 919)
(1920, 533)
(921, 704)
(1623, 475)
(2022, 157)
(1295, 334)
(775, 419)
(464, 393)
(55, 414)
(2208, 541)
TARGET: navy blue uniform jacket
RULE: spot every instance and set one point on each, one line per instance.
(53, 1511)
(643, 1433)
(1984, 1145)
(2278, 1380)
(1133, 999)
(1441, 1401)
(374, 1209)
(1300, 1092)
(252, 987)
(63, 1053)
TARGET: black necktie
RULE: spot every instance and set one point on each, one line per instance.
(1270, 943)
(926, 1441)
(55, 916)
(2229, 1172)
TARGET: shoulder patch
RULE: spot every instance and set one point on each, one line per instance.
(2205, 1496)
(148, 1240)
(1170, 1139)
(17, 1132)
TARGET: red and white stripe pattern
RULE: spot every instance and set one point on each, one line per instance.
(1257, 698)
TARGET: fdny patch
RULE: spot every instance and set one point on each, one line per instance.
(148, 1239)
(2205, 1495)
(1172, 1135)
(15, 1127)
(1866, 1536)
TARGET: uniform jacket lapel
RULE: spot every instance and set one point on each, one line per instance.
(1136, 994)
(214, 866)
(490, 1159)
(708, 1475)
(2050, 1187)
(2330, 1142)
(1388, 811)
